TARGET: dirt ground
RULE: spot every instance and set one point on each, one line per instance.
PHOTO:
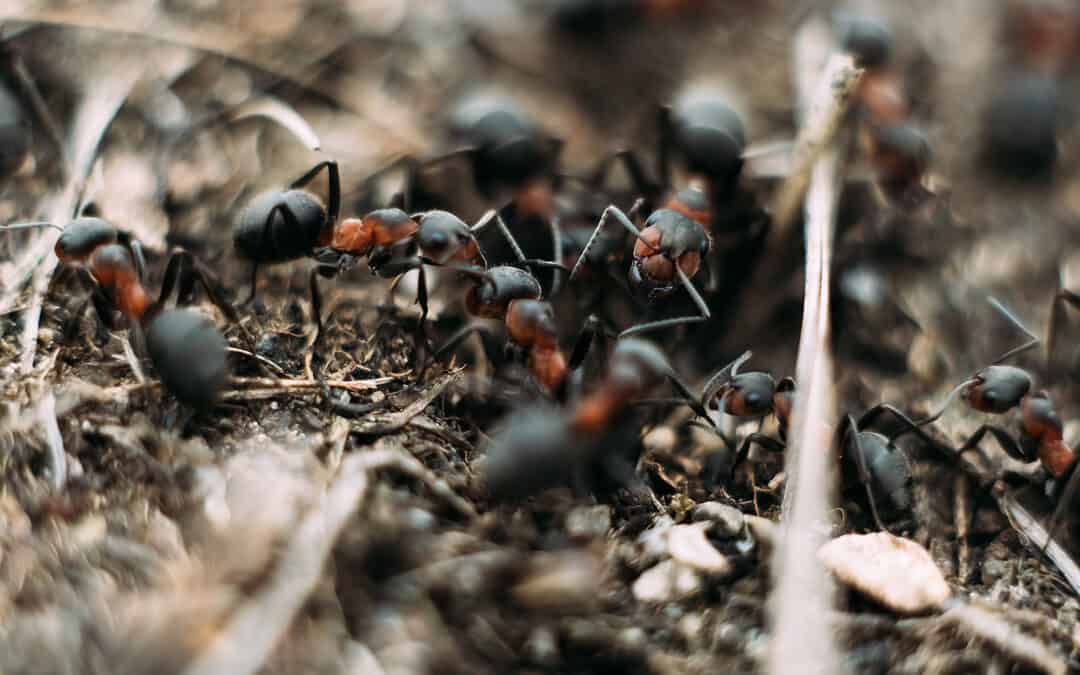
(275, 535)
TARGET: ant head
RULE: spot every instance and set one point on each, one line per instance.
(750, 395)
(901, 151)
(997, 389)
(82, 236)
(870, 41)
(669, 238)
(710, 135)
(443, 237)
(112, 266)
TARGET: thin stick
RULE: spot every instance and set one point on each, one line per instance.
(801, 642)
(255, 629)
(1029, 526)
(962, 510)
(57, 459)
(94, 117)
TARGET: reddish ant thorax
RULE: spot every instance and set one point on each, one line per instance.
(114, 270)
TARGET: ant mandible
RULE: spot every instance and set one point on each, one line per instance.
(541, 448)
(186, 348)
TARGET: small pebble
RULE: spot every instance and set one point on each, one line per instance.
(894, 571)
(728, 520)
(667, 582)
(589, 522)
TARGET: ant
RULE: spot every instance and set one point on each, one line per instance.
(879, 465)
(746, 396)
(897, 147)
(667, 254)
(513, 295)
(997, 389)
(543, 447)
(1021, 121)
(186, 348)
(279, 226)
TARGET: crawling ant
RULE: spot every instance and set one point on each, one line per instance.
(542, 447)
(997, 389)
(896, 146)
(512, 294)
(746, 396)
(877, 463)
(186, 348)
(703, 132)
(279, 226)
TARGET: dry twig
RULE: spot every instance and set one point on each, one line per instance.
(802, 593)
(57, 462)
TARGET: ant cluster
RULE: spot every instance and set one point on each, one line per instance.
(675, 247)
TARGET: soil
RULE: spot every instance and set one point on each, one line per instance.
(282, 533)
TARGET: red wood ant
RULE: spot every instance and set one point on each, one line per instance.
(667, 253)
(898, 148)
(541, 447)
(747, 396)
(1021, 122)
(279, 226)
(513, 295)
(186, 348)
(997, 389)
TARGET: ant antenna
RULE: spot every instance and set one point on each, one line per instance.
(944, 404)
(722, 377)
(27, 226)
(1033, 340)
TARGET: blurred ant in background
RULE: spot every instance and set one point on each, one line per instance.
(539, 448)
(186, 349)
(587, 18)
(1021, 122)
(898, 148)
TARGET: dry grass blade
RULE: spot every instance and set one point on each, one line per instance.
(979, 624)
(255, 629)
(802, 592)
(282, 113)
(1029, 526)
(92, 119)
(46, 414)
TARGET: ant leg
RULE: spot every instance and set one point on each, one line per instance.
(457, 338)
(909, 425)
(136, 250)
(632, 163)
(666, 323)
(556, 244)
(333, 179)
(620, 217)
(316, 303)
(290, 221)
(583, 343)
(689, 398)
(176, 271)
(852, 432)
(744, 449)
(1004, 439)
(1033, 340)
(493, 216)
(1065, 498)
(722, 377)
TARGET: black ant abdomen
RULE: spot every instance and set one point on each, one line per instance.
(14, 133)
(709, 135)
(189, 353)
(264, 236)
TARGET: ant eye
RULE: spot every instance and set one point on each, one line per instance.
(753, 399)
(436, 240)
(990, 396)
